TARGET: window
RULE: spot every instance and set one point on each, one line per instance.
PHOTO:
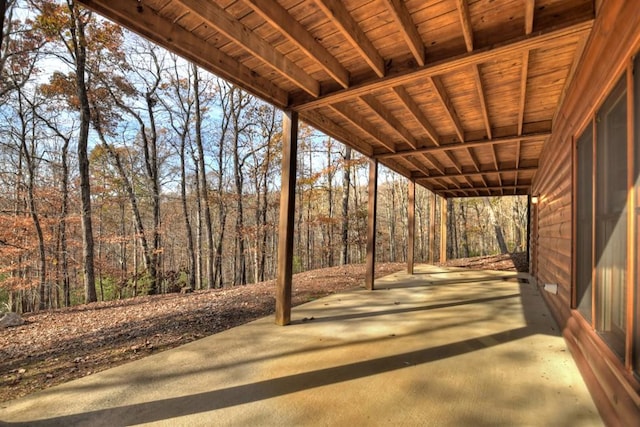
(584, 226)
(602, 227)
(611, 218)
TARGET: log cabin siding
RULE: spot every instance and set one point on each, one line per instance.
(616, 37)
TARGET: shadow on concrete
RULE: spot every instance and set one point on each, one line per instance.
(217, 399)
(365, 315)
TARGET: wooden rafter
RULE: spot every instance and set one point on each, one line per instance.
(279, 18)
(496, 162)
(435, 163)
(494, 188)
(456, 164)
(382, 112)
(529, 7)
(419, 165)
(336, 131)
(476, 164)
(547, 39)
(470, 144)
(363, 125)
(146, 22)
(465, 21)
(339, 15)
(482, 98)
(449, 109)
(417, 113)
(407, 28)
(462, 174)
(216, 17)
(523, 90)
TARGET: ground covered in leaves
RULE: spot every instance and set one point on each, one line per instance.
(57, 346)
(54, 347)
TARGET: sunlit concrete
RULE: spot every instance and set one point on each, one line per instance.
(441, 347)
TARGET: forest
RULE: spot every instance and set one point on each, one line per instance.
(126, 170)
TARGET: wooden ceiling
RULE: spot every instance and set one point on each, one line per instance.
(459, 95)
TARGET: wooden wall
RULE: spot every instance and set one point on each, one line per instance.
(614, 39)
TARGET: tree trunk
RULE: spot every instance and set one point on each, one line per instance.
(80, 50)
(465, 235)
(346, 187)
(496, 226)
(203, 180)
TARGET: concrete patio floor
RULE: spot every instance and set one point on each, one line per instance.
(445, 346)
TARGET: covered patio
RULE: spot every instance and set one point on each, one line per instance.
(444, 346)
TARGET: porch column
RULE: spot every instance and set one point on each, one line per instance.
(411, 223)
(443, 229)
(432, 228)
(287, 210)
(371, 226)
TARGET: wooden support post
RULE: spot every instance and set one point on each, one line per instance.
(443, 230)
(287, 211)
(371, 226)
(411, 223)
(432, 228)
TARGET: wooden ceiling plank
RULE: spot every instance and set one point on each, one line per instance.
(407, 28)
(219, 19)
(363, 125)
(417, 114)
(544, 38)
(523, 90)
(483, 99)
(572, 72)
(279, 18)
(449, 109)
(146, 22)
(340, 16)
(529, 8)
(465, 21)
(393, 122)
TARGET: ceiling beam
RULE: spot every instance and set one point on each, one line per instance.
(434, 162)
(147, 23)
(483, 99)
(465, 21)
(340, 133)
(466, 190)
(419, 165)
(544, 38)
(529, 8)
(476, 173)
(407, 28)
(417, 113)
(342, 19)
(382, 112)
(523, 90)
(364, 125)
(218, 18)
(449, 109)
(280, 19)
(469, 144)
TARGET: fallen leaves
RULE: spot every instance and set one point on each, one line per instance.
(57, 346)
